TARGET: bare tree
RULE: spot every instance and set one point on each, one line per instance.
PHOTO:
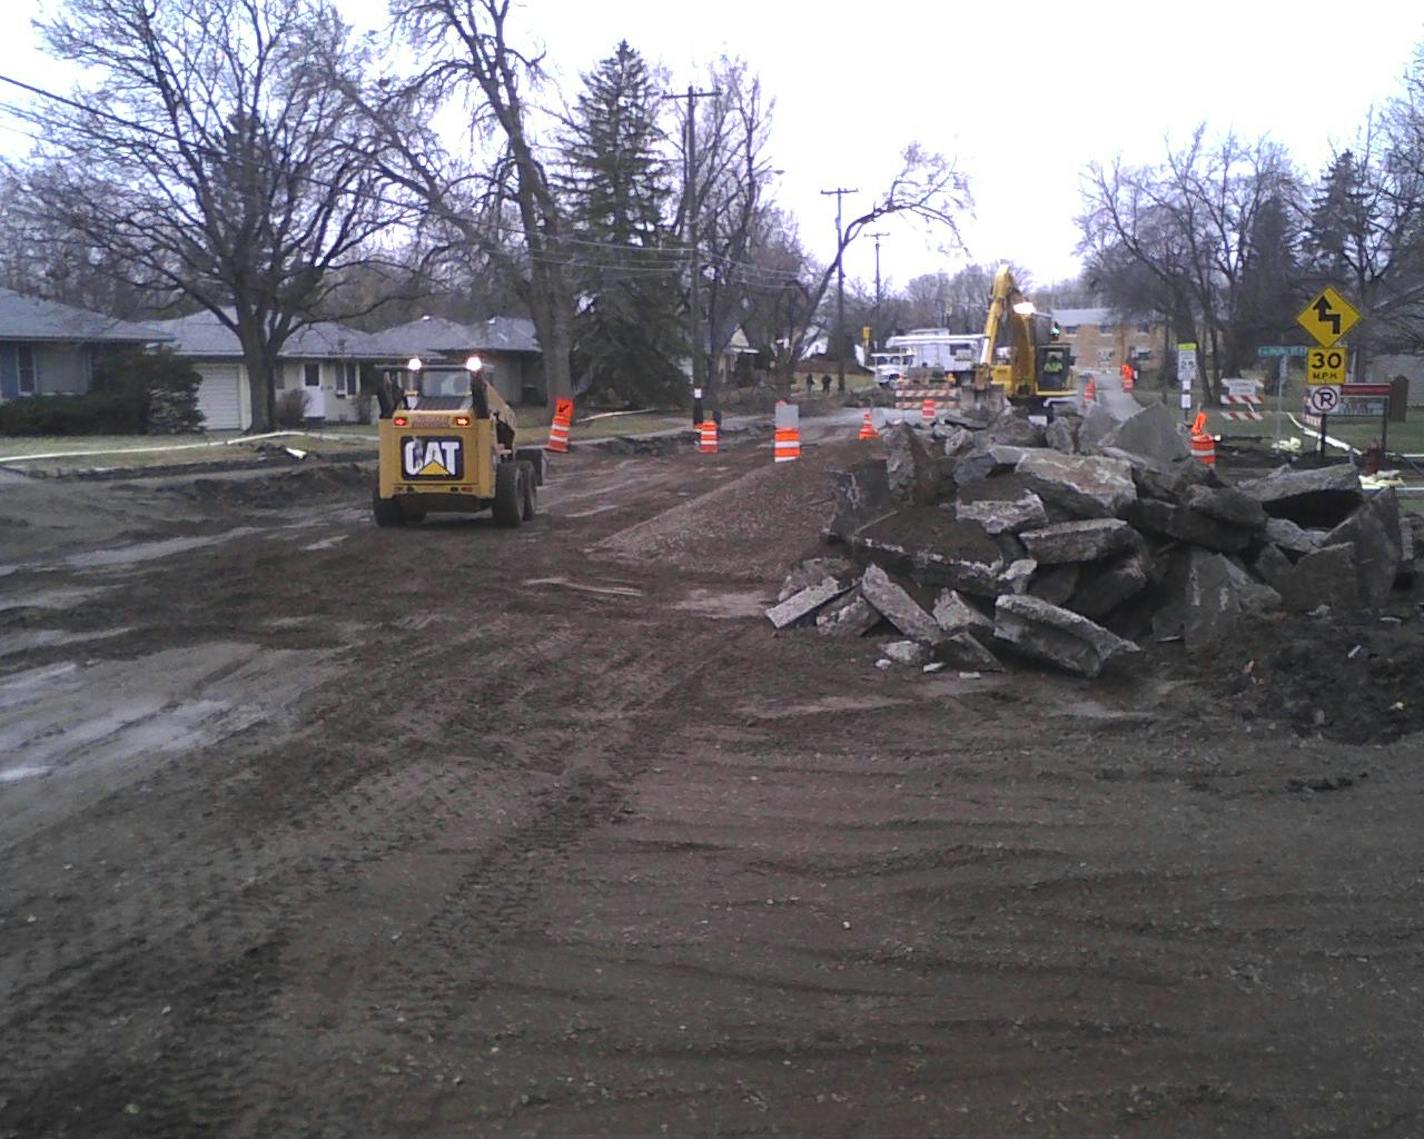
(465, 51)
(1190, 223)
(928, 188)
(216, 158)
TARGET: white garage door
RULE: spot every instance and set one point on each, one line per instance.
(220, 397)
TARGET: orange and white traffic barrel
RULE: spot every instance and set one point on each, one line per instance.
(867, 428)
(786, 441)
(559, 428)
(1090, 390)
(1203, 443)
(928, 409)
(707, 436)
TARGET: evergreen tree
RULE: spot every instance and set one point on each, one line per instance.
(628, 337)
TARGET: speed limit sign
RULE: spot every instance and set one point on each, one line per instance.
(1322, 400)
(1326, 365)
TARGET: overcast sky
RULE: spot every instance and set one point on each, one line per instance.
(1023, 94)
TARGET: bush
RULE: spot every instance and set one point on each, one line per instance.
(94, 413)
(292, 408)
(165, 387)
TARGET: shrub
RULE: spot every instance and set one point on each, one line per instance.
(165, 388)
(94, 413)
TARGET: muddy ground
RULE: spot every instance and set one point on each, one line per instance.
(314, 829)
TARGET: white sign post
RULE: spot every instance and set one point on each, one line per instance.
(1186, 375)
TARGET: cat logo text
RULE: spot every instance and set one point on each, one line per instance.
(432, 457)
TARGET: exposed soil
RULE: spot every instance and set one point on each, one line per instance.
(315, 829)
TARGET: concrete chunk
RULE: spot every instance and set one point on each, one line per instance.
(813, 571)
(1154, 432)
(1080, 541)
(1062, 434)
(1098, 423)
(965, 650)
(1055, 584)
(955, 615)
(1227, 505)
(914, 472)
(1213, 602)
(801, 605)
(907, 652)
(1326, 576)
(1323, 497)
(1154, 517)
(1292, 538)
(849, 615)
(1106, 585)
(1373, 530)
(861, 496)
(1004, 516)
(1086, 485)
(898, 607)
(1056, 635)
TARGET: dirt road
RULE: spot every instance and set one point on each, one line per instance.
(314, 829)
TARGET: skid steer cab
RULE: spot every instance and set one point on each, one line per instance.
(447, 447)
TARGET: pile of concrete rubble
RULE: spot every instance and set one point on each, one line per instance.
(1075, 542)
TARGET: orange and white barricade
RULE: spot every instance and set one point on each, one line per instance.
(1203, 444)
(707, 436)
(867, 428)
(559, 429)
(786, 444)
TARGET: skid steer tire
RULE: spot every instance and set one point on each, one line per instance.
(387, 511)
(534, 456)
(508, 508)
(529, 498)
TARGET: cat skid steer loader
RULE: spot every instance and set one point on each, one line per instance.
(447, 446)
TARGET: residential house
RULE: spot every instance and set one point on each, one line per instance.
(324, 360)
(1103, 342)
(506, 345)
(48, 348)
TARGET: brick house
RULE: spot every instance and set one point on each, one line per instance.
(1102, 341)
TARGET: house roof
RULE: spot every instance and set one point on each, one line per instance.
(1099, 316)
(432, 334)
(30, 318)
(203, 334)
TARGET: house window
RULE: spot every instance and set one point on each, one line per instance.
(1144, 327)
(348, 380)
(1106, 327)
(28, 379)
(1070, 330)
(311, 375)
(1105, 355)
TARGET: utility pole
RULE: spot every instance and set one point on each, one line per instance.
(876, 320)
(840, 192)
(694, 298)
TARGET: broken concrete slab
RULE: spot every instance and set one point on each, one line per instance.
(1323, 497)
(1015, 430)
(1056, 635)
(895, 604)
(1017, 575)
(1408, 543)
(1213, 602)
(1227, 505)
(1098, 423)
(861, 495)
(1055, 584)
(1374, 531)
(1185, 525)
(1086, 485)
(1292, 538)
(801, 605)
(1085, 541)
(965, 650)
(1273, 567)
(1062, 434)
(1102, 588)
(914, 472)
(813, 571)
(954, 614)
(956, 440)
(1326, 576)
(849, 615)
(1257, 598)
(907, 653)
(1169, 482)
(1004, 516)
(1154, 433)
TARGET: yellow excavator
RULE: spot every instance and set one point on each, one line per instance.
(446, 445)
(1021, 362)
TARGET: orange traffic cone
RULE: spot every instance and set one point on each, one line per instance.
(867, 428)
(707, 438)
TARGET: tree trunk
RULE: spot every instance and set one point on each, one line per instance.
(261, 371)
